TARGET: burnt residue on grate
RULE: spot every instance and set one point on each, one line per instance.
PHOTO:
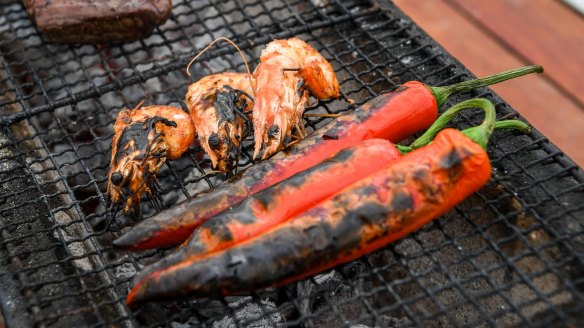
(510, 255)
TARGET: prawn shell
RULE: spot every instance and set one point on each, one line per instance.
(289, 72)
(144, 138)
(219, 122)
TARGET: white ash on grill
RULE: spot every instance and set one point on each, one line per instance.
(251, 314)
(320, 294)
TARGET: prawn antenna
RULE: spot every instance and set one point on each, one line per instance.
(139, 105)
(235, 46)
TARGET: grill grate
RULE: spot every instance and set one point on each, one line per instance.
(511, 255)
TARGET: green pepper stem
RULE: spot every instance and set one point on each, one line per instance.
(442, 93)
(404, 149)
(513, 124)
(499, 125)
(448, 115)
(481, 136)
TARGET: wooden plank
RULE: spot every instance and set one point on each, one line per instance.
(535, 97)
(543, 31)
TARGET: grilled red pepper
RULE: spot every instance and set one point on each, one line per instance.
(363, 217)
(274, 205)
(392, 116)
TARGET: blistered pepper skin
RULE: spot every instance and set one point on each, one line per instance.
(363, 217)
(281, 202)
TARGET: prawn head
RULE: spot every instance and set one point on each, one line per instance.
(142, 143)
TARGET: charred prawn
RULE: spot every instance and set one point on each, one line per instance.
(219, 105)
(290, 71)
(144, 138)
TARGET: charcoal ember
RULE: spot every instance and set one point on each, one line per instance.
(73, 21)
(247, 312)
(320, 3)
(125, 271)
(386, 321)
(191, 322)
(210, 308)
(317, 295)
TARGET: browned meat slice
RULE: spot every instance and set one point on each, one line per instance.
(87, 21)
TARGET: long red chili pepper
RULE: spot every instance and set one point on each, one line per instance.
(363, 217)
(392, 116)
(272, 206)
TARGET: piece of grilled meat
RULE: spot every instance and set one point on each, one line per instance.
(82, 21)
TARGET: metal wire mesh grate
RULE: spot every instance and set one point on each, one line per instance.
(509, 255)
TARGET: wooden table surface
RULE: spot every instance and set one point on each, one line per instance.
(489, 36)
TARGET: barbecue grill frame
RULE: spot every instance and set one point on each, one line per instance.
(18, 121)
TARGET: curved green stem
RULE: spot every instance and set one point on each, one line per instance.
(481, 135)
(404, 149)
(442, 93)
(499, 125)
(449, 114)
(513, 124)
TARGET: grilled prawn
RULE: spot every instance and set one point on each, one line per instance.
(144, 138)
(289, 72)
(218, 105)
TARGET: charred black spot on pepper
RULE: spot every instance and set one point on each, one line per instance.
(257, 172)
(264, 198)
(219, 230)
(368, 190)
(402, 202)
(453, 163)
(401, 88)
(451, 160)
(420, 174)
(334, 130)
(347, 233)
(327, 136)
(367, 214)
(319, 236)
(297, 180)
(343, 155)
(277, 256)
(239, 213)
